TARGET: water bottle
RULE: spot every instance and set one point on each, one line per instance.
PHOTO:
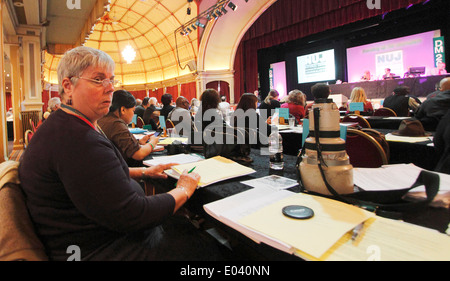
(276, 150)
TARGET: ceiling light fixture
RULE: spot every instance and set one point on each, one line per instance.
(128, 54)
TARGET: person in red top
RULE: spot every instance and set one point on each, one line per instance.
(296, 104)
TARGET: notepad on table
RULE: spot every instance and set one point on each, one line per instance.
(167, 141)
(212, 170)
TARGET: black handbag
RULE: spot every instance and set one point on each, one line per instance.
(231, 142)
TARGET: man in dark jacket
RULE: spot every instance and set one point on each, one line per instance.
(400, 102)
(432, 110)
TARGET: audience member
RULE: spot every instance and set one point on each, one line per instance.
(321, 92)
(209, 109)
(296, 104)
(167, 107)
(401, 102)
(246, 116)
(80, 191)
(224, 106)
(437, 89)
(181, 117)
(358, 94)
(140, 108)
(270, 102)
(115, 127)
(149, 118)
(53, 105)
(432, 110)
(441, 141)
(195, 104)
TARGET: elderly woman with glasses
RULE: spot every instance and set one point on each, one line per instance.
(80, 191)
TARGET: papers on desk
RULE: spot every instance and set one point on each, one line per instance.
(273, 182)
(167, 141)
(401, 176)
(392, 177)
(257, 213)
(391, 137)
(212, 170)
(177, 158)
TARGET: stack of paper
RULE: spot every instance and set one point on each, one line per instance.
(257, 213)
(212, 170)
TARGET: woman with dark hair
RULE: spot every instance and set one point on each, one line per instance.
(245, 116)
(209, 109)
(166, 100)
(115, 127)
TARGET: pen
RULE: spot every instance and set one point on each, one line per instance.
(188, 173)
(357, 231)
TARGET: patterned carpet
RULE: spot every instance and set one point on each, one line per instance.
(16, 154)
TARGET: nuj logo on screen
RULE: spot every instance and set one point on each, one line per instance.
(73, 4)
(374, 4)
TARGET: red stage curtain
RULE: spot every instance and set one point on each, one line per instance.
(288, 20)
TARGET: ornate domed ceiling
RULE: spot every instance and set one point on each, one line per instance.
(148, 26)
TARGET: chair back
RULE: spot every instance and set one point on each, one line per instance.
(364, 151)
(140, 122)
(18, 239)
(169, 124)
(385, 111)
(357, 119)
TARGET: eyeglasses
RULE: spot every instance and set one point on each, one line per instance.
(105, 83)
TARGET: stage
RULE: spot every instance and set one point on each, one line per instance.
(380, 89)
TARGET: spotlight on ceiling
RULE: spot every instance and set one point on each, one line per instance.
(224, 11)
(199, 24)
(232, 6)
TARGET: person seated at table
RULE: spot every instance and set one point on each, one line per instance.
(270, 102)
(358, 94)
(181, 117)
(441, 142)
(366, 76)
(148, 116)
(80, 192)
(401, 102)
(167, 107)
(437, 89)
(209, 112)
(432, 110)
(245, 116)
(440, 69)
(296, 104)
(53, 105)
(388, 75)
(224, 106)
(115, 127)
(141, 105)
(319, 91)
(195, 104)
